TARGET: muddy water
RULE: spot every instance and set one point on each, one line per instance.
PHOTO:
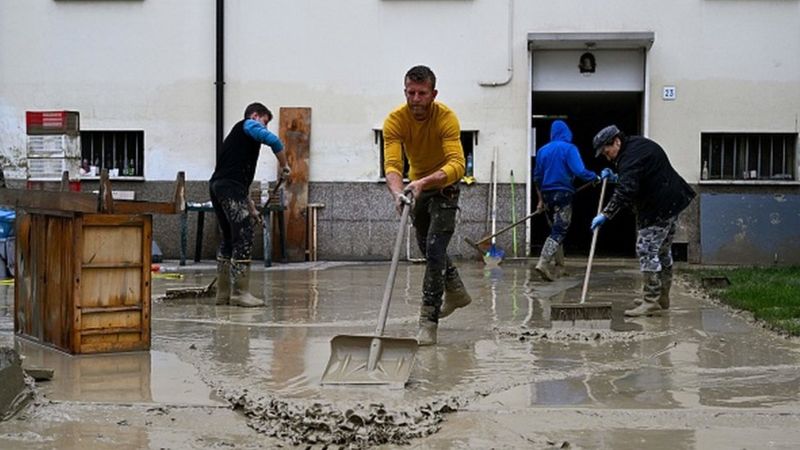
(497, 362)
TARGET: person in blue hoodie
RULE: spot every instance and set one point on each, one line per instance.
(557, 165)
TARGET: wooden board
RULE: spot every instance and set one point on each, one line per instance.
(295, 133)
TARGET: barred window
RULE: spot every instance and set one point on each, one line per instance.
(121, 152)
(748, 156)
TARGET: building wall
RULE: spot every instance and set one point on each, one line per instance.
(357, 222)
(150, 65)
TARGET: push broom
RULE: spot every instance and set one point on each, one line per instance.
(596, 315)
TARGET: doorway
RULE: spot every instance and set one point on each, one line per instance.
(586, 113)
(589, 80)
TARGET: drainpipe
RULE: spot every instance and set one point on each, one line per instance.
(510, 68)
(220, 79)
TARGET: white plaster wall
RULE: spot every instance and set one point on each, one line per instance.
(149, 64)
(616, 71)
(124, 65)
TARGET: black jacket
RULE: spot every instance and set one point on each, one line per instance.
(648, 183)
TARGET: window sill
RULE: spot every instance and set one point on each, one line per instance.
(85, 178)
(748, 183)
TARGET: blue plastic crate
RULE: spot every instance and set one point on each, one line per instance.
(7, 219)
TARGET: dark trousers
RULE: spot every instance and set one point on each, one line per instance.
(559, 204)
(434, 218)
(230, 201)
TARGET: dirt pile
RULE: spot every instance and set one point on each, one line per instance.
(354, 426)
(567, 335)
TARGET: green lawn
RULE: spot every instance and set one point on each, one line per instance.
(771, 294)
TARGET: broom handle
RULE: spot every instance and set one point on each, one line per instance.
(594, 242)
(486, 238)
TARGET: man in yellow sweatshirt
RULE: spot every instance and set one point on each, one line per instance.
(429, 135)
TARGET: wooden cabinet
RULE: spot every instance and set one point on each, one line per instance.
(83, 280)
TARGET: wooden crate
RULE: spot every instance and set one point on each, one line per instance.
(83, 280)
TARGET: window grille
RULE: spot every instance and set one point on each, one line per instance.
(748, 156)
(469, 139)
(121, 152)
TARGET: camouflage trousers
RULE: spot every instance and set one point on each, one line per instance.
(434, 218)
(654, 245)
(559, 204)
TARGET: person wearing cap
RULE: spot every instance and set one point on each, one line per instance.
(647, 182)
(236, 213)
(428, 134)
(558, 163)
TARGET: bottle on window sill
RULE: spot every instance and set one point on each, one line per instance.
(704, 173)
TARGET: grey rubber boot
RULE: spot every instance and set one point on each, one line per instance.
(666, 284)
(561, 270)
(455, 294)
(240, 279)
(427, 326)
(549, 249)
(223, 281)
(651, 292)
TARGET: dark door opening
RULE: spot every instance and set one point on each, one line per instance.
(586, 113)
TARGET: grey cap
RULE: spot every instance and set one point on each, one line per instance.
(603, 137)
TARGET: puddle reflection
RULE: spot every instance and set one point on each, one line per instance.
(136, 377)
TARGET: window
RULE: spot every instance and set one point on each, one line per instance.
(469, 139)
(121, 152)
(748, 156)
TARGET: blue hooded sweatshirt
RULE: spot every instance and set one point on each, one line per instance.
(558, 162)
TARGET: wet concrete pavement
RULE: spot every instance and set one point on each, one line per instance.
(698, 377)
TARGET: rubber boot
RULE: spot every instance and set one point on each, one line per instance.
(651, 292)
(223, 281)
(240, 277)
(427, 326)
(455, 294)
(549, 249)
(666, 284)
(561, 270)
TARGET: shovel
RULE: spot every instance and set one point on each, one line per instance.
(374, 359)
(593, 316)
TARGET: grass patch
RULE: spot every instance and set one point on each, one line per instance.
(771, 294)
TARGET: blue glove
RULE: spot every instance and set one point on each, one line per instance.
(610, 175)
(598, 220)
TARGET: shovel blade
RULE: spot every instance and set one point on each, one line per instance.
(349, 361)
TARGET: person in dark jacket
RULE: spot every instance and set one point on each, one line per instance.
(558, 163)
(649, 184)
(229, 188)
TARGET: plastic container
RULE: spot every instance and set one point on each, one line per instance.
(8, 218)
(52, 122)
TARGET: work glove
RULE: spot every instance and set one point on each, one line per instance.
(598, 220)
(286, 171)
(609, 174)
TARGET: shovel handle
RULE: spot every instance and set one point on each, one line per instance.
(387, 291)
(594, 243)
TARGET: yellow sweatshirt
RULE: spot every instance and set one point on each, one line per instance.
(430, 145)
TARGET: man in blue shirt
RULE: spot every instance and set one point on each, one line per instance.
(557, 164)
(236, 213)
